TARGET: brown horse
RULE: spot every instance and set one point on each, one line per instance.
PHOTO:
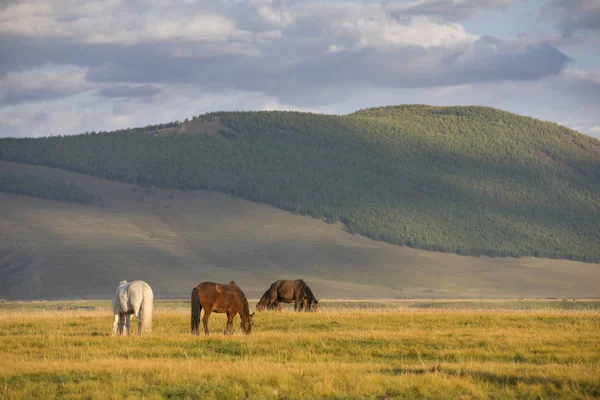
(268, 300)
(283, 291)
(215, 297)
(264, 301)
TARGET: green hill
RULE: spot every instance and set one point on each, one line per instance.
(466, 180)
(175, 239)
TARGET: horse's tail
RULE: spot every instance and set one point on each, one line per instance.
(196, 308)
(146, 309)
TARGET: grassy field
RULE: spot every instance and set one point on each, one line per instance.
(366, 349)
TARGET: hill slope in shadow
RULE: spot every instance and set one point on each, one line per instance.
(175, 239)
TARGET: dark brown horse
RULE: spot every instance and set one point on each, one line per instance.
(283, 291)
(215, 297)
(265, 301)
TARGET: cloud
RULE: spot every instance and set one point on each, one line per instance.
(45, 83)
(447, 9)
(557, 98)
(510, 60)
(575, 17)
(585, 85)
(117, 55)
(289, 52)
(177, 102)
(129, 91)
(114, 22)
(416, 31)
(53, 121)
(272, 11)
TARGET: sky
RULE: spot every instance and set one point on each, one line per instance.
(71, 66)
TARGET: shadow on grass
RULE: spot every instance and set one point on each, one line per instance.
(589, 388)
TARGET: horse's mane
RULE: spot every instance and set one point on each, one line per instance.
(245, 305)
(305, 290)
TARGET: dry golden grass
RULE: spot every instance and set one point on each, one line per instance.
(335, 353)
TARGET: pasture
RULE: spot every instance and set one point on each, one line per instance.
(349, 349)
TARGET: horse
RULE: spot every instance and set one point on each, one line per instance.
(288, 291)
(267, 301)
(264, 301)
(309, 302)
(219, 298)
(132, 298)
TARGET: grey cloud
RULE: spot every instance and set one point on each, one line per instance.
(447, 9)
(575, 17)
(296, 68)
(19, 96)
(46, 83)
(129, 91)
(507, 61)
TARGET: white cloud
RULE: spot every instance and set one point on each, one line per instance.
(416, 31)
(334, 48)
(113, 22)
(273, 12)
(116, 22)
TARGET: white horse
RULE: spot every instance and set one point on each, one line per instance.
(132, 298)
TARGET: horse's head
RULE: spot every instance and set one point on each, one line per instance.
(260, 307)
(247, 324)
(314, 305)
(122, 282)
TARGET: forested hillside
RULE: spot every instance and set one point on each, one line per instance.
(32, 185)
(467, 180)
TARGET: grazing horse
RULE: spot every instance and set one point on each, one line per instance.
(132, 298)
(283, 291)
(265, 301)
(215, 297)
(309, 302)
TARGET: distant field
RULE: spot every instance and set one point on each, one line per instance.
(380, 349)
(332, 305)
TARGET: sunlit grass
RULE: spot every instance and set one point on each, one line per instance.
(340, 352)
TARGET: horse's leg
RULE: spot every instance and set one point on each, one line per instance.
(138, 317)
(115, 325)
(207, 311)
(229, 326)
(127, 324)
(121, 322)
(297, 303)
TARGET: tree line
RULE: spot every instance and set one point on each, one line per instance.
(49, 189)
